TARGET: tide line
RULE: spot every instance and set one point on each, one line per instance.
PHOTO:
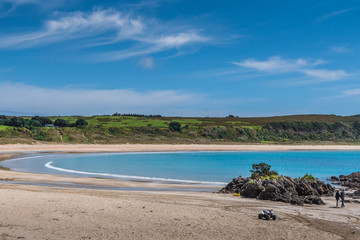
(48, 165)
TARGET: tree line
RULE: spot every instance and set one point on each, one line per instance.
(135, 115)
(38, 121)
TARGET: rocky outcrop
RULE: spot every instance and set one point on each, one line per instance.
(351, 181)
(334, 179)
(354, 195)
(284, 189)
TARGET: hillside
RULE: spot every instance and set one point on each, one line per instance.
(155, 129)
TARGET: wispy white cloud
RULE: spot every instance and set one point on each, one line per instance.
(78, 25)
(344, 94)
(14, 3)
(277, 65)
(333, 14)
(340, 49)
(8, 6)
(68, 101)
(147, 62)
(109, 26)
(351, 92)
(326, 74)
(151, 45)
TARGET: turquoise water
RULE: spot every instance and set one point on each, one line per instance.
(191, 167)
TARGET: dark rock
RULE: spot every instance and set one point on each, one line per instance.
(303, 188)
(297, 200)
(334, 179)
(251, 189)
(234, 186)
(351, 181)
(270, 192)
(351, 201)
(354, 195)
(314, 200)
(284, 189)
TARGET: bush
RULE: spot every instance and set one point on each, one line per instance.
(42, 120)
(81, 122)
(61, 123)
(35, 123)
(308, 177)
(261, 170)
(175, 127)
(16, 122)
(3, 120)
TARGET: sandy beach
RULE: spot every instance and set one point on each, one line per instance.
(41, 212)
(166, 147)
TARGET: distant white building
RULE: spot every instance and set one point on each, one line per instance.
(49, 125)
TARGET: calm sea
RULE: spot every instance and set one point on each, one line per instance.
(189, 167)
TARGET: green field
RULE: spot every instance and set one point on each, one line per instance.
(161, 122)
(5, 128)
(143, 129)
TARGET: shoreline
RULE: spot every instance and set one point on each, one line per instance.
(9, 176)
(14, 150)
(93, 148)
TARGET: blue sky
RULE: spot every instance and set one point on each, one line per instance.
(180, 58)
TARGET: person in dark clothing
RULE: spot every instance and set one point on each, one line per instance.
(337, 197)
(342, 196)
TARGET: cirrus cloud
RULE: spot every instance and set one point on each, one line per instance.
(278, 65)
(9, 6)
(130, 35)
(326, 74)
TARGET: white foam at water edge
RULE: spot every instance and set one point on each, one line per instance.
(48, 165)
(22, 158)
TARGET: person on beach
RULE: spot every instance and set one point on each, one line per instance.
(337, 197)
(342, 196)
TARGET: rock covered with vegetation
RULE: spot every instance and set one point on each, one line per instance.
(279, 188)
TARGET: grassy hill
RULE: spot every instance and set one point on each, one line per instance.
(143, 129)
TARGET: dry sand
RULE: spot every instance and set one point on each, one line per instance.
(166, 147)
(38, 212)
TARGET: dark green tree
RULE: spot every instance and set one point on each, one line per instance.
(3, 120)
(175, 127)
(16, 122)
(61, 123)
(42, 120)
(261, 170)
(81, 122)
(35, 123)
